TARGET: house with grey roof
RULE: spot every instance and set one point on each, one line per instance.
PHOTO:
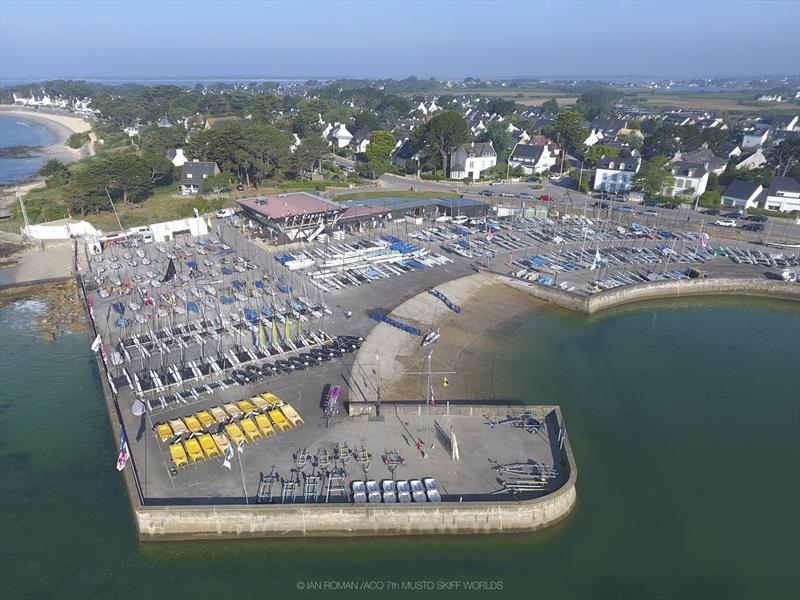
(615, 173)
(742, 194)
(691, 178)
(783, 195)
(468, 161)
(703, 155)
(533, 158)
(360, 141)
(193, 174)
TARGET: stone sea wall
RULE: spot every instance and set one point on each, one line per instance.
(348, 520)
(656, 290)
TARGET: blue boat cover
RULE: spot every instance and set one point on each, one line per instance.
(122, 322)
(226, 299)
(227, 271)
(118, 307)
(259, 284)
(192, 265)
(238, 284)
(192, 307)
(250, 314)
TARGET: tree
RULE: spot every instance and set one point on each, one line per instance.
(265, 107)
(55, 169)
(597, 102)
(569, 125)
(632, 140)
(381, 144)
(550, 106)
(784, 156)
(160, 140)
(366, 120)
(306, 155)
(655, 177)
(306, 123)
(596, 153)
(498, 134)
(218, 183)
(444, 133)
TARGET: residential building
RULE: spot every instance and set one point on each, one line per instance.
(468, 161)
(755, 138)
(360, 141)
(533, 158)
(407, 153)
(751, 161)
(742, 194)
(615, 174)
(703, 155)
(192, 175)
(177, 157)
(783, 195)
(690, 178)
(339, 136)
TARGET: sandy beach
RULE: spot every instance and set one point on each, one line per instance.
(62, 125)
(466, 346)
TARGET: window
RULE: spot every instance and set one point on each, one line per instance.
(611, 165)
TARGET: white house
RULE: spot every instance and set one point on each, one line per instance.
(595, 135)
(783, 195)
(339, 136)
(690, 178)
(533, 158)
(752, 161)
(360, 141)
(470, 160)
(192, 175)
(754, 138)
(177, 157)
(615, 174)
(742, 194)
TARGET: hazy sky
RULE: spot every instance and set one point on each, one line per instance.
(397, 39)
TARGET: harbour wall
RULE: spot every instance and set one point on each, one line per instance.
(161, 523)
(654, 290)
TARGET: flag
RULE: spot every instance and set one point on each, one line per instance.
(103, 353)
(433, 400)
(287, 331)
(261, 340)
(96, 344)
(90, 305)
(170, 274)
(275, 333)
(240, 447)
(445, 383)
(510, 258)
(489, 235)
(208, 222)
(596, 260)
(123, 456)
(228, 456)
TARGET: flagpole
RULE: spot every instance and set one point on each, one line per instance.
(241, 468)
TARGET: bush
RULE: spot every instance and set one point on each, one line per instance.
(711, 199)
(76, 140)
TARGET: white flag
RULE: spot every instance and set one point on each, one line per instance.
(228, 456)
(596, 260)
(240, 447)
(96, 344)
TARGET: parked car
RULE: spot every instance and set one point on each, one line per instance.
(627, 209)
(507, 195)
(225, 213)
(600, 205)
(757, 218)
(753, 226)
(525, 196)
(725, 223)
(487, 193)
(496, 183)
(713, 212)
(650, 203)
(649, 213)
(671, 205)
(732, 215)
(545, 198)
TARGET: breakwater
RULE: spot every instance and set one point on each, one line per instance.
(606, 299)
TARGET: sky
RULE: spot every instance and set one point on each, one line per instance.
(591, 38)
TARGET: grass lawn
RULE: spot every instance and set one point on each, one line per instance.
(392, 194)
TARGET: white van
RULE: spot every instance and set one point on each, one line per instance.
(225, 213)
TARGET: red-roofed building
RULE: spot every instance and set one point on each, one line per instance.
(294, 216)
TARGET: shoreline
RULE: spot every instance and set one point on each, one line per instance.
(61, 126)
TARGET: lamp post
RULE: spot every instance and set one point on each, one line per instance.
(378, 363)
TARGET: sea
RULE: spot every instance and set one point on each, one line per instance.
(684, 417)
(15, 131)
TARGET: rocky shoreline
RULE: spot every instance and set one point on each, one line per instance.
(64, 313)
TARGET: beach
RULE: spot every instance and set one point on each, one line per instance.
(62, 126)
(465, 348)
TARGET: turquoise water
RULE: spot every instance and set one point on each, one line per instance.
(683, 418)
(15, 131)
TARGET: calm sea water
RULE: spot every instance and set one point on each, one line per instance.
(684, 418)
(15, 131)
